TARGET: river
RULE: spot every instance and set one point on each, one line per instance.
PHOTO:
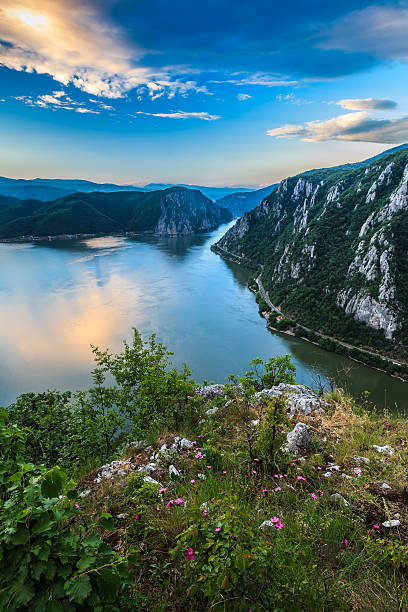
(58, 298)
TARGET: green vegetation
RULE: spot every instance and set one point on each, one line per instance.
(123, 211)
(324, 243)
(192, 540)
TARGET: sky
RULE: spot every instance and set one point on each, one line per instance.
(213, 93)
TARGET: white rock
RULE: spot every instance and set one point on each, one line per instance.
(255, 423)
(346, 476)
(385, 486)
(137, 445)
(388, 450)
(299, 399)
(184, 443)
(201, 476)
(298, 440)
(327, 474)
(152, 481)
(267, 525)
(211, 411)
(210, 391)
(392, 523)
(339, 499)
(361, 460)
(123, 515)
(397, 515)
(149, 468)
(334, 467)
(85, 493)
(173, 471)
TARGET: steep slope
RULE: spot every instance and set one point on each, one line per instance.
(334, 245)
(172, 211)
(51, 189)
(240, 202)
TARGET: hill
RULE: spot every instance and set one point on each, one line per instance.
(333, 244)
(172, 211)
(240, 202)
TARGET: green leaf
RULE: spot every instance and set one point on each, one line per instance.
(106, 521)
(84, 563)
(78, 589)
(43, 524)
(21, 536)
(54, 606)
(25, 593)
(53, 483)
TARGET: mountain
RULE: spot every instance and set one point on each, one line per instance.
(334, 246)
(240, 202)
(51, 189)
(171, 211)
(214, 193)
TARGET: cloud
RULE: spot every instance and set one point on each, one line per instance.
(241, 97)
(351, 127)
(59, 100)
(378, 30)
(72, 42)
(367, 104)
(182, 115)
(256, 79)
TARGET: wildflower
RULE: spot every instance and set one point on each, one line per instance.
(218, 529)
(205, 512)
(346, 543)
(198, 455)
(357, 471)
(193, 443)
(189, 554)
(178, 501)
(254, 471)
(224, 471)
(170, 503)
(276, 475)
(76, 505)
(301, 479)
(377, 527)
(320, 492)
(208, 467)
(163, 490)
(192, 481)
(76, 458)
(314, 496)
(137, 517)
(278, 489)
(256, 459)
(264, 490)
(318, 468)
(93, 512)
(277, 522)
(201, 436)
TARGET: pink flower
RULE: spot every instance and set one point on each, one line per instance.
(278, 489)
(254, 471)
(192, 481)
(277, 522)
(276, 475)
(264, 490)
(137, 517)
(76, 458)
(178, 501)
(357, 471)
(256, 459)
(170, 503)
(201, 436)
(301, 479)
(218, 529)
(208, 467)
(224, 471)
(318, 468)
(76, 505)
(163, 490)
(346, 543)
(377, 527)
(205, 512)
(189, 554)
(194, 443)
(198, 455)
(314, 496)
(320, 492)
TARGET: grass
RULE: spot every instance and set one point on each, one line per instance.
(326, 557)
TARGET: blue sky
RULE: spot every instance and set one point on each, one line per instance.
(220, 93)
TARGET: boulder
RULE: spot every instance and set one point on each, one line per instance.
(299, 398)
(210, 391)
(339, 500)
(298, 440)
(392, 523)
(387, 450)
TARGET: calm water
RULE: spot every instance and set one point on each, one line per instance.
(58, 298)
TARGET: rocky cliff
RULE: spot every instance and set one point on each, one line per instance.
(334, 245)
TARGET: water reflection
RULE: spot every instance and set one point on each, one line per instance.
(57, 298)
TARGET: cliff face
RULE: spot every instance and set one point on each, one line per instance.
(334, 245)
(241, 202)
(186, 211)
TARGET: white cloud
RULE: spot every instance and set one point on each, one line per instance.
(59, 100)
(351, 126)
(378, 30)
(257, 78)
(367, 104)
(71, 41)
(182, 115)
(241, 97)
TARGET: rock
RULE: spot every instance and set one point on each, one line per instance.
(327, 474)
(397, 515)
(346, 476)
(339, 499)
(299, 399)
(85, 493)
(184, 443)
(123, 515)
(298, 440)
(385, 486)
(211, 411)
(163, 448)
(388, 450)
(149, 468)
(152, 481)
(201, 476)
(137, 445)
(266, 525)
(173, 471)
(210, 391)
(360, 460)
(392, 523)
(255, 423)
(336, 468)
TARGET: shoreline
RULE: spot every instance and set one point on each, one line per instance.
(240, 260)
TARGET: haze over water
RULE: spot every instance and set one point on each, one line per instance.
(58, 298)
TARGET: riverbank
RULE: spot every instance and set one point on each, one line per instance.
(287, 325)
